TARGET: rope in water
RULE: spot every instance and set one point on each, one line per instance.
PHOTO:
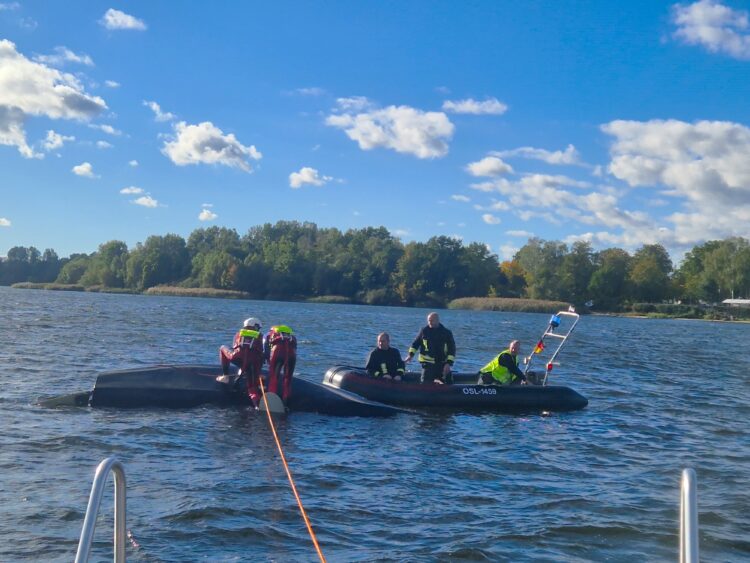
(289, 475)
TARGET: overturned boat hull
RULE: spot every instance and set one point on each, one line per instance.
(462, 395)
(182, 386)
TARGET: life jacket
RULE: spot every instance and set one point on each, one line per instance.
(499, 373)
(281, 334)
(247, 337)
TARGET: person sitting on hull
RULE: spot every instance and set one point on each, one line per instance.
(385, 361)
(503, 370)
(280, 351)
(247, 354)
(437, 351)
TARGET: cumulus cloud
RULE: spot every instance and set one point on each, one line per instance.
(491, 106)
(489, 166)
(9, 6)
(103, 145)
(458, 197)
(115, 19)
(568, 156)
(133, 163)
(111, 84)
(307, 175)
(131, 190)
(206, 214)
(490, 219)
(84, 169)
(62, 56)
(706, 164)
(146, 201)
(712, 25)
(55, 141)
(28, 88)
(207, 144)
(158, 114)
(4, 222)
(517, 233)
(400, 128)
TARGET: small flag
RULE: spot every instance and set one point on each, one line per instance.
(539, 347)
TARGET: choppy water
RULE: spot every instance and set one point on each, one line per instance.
(207, 484)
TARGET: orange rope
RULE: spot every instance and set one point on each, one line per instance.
(289, 475)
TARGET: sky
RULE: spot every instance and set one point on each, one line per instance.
(621, 124)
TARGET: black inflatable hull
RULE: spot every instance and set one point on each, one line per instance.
(461, 396)
(182, 386)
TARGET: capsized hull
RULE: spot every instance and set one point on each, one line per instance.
(461, 396)
(182, 386)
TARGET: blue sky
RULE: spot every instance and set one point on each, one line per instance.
(621, 124)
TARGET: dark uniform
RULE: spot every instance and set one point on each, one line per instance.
(436, 348)
(382, 362)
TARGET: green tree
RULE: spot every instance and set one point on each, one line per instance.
(575, 273)
(650, 274)
(608, 287)
(541, 260)
(160, 260)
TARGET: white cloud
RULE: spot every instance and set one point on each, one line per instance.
(84, 169)
(9, 6)
(33, 89)
(206, 144)
(522, 234)
(491, 106)
(131, 190)
(108, 129)
(568, 156)
(716, 27)
(115, 19)
(55, 140)
(400, 233)
(146, 201)
(62, 56)
(312, 91)
(489, 166)
(457, 197)
(207, 215)
(4, 222)
(507, 251)
(490, 219)
(133, 163)
(103, 145)
(400, 128)
(353, 104)
(307, 175)
(111, 84)
(706, 164)
(159, 115)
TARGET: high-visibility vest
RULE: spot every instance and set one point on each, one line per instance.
(499, 373)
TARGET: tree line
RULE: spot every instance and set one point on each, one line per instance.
(292, 260)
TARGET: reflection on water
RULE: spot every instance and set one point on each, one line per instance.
(599, 484)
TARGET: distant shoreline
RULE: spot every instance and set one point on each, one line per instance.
(499, 304)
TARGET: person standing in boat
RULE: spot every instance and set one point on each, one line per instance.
(437, 351)
(280, 351)
(503, 370)
(247, 354)
(385, 361)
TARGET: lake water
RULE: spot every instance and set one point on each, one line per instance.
(601, 484)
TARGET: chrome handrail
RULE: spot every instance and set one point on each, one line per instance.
(689, 517)
(111, 464)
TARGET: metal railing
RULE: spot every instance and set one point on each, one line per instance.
(111, 464)
(689, 518)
